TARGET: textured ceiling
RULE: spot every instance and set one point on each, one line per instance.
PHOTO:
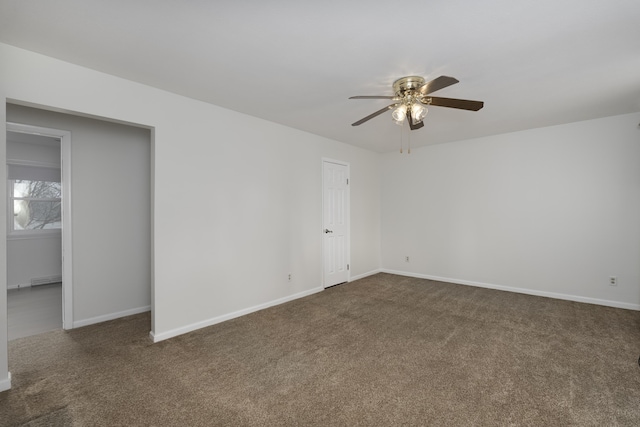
(533, 63)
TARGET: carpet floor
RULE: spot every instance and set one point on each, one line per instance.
(385, 350)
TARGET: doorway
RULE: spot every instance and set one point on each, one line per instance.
(110, 177)
(335, 222)
(48, 218)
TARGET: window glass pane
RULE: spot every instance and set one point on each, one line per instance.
(36, 189)
(36, 215)
(21, 188)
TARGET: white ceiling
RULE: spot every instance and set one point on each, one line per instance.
(295, 62)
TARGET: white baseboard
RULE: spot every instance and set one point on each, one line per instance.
(157, 337)
(567, 297)
(6, 383)
(363, 275)
(110, 316)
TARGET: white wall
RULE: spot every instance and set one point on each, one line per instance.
(236, 200)
(111, 213)
(33, 257)
(259, 217)
(552, 211)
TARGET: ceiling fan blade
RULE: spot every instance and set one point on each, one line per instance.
(413, 126)
(372, 97)
(462, 104)
(371, 116)
(436, 84)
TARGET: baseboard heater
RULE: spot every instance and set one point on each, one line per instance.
(38, 281)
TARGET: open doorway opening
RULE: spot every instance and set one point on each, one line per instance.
(36, 190)
(106, 213)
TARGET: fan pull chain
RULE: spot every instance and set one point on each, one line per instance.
(401, 131)
(409, 142)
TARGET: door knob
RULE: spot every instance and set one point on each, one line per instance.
(326, 230)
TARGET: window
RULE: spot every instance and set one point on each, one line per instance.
(36, 205)
(34, 200)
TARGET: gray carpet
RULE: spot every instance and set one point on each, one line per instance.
(385, 350)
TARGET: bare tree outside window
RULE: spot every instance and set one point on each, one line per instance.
(36, 205)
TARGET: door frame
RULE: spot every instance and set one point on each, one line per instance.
(348, 215)
(67, 241)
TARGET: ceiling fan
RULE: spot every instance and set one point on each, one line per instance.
(412, 98)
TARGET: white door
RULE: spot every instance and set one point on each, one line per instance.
(335, 222)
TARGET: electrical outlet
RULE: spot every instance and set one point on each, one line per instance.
(613, 281)
(406, 259)
(289, 277)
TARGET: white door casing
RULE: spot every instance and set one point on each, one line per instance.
(335, 222)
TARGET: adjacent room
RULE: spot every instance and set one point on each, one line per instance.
(34, 245)
(312, 213)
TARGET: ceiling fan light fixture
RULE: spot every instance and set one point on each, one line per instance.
(411, 97)
(418, 112)
(399, 114)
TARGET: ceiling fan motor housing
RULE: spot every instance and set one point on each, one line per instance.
(405, 84)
